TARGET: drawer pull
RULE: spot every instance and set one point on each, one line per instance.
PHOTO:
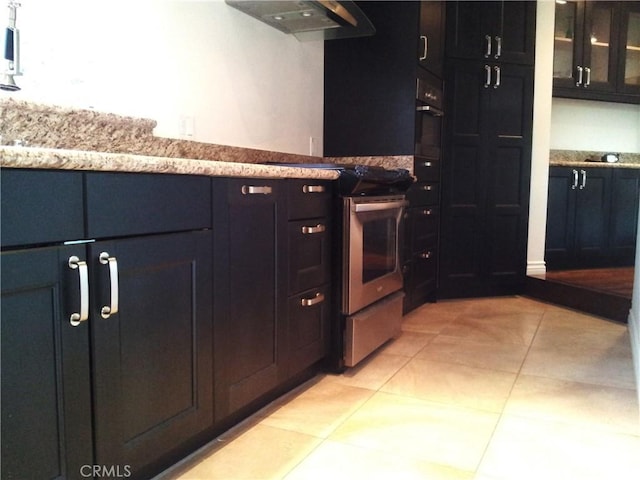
(425, 255)
(253, 190)
(310, 302)
(427, 188)
(76, 318)
(317, 229)
(427, 212)
(108, 310)
(313, 189)
(427, 164)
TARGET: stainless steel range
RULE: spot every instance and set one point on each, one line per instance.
(368, 278)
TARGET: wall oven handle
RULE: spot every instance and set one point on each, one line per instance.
(316, 229)
(310, 302)
(429, 109)
(377, 206)
(313, 189)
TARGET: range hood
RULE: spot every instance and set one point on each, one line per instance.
(309, 20)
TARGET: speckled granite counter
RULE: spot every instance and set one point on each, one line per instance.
(75, 139)
(570, 158)
(49, 158)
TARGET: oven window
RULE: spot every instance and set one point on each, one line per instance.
(379, 248)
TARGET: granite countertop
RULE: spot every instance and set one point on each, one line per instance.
(581, 159)
(61, 159)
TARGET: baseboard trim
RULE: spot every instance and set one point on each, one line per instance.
(536, 268)
(634, 333)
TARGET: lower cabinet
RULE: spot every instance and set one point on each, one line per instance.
(249, 337)
(46, 389)
(122, 354)
(592, 217)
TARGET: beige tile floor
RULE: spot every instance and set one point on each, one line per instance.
(486, 389)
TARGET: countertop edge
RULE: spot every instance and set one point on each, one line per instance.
(565, 163)
(58, 159)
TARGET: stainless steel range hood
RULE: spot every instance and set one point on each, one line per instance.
(309, 20)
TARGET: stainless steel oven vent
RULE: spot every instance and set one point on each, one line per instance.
(309, 20)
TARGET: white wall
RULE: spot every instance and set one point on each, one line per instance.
(541, 137)
(190, 65)
(634, 318)
(595, 126)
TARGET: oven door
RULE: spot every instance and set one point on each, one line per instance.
(371, 250)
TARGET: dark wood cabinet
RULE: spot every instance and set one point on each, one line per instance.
(597, 51)
(592, 217)
(623, 225)
(498, 31)
(577, 217)
(486, 178)
(152, 360)
(131, 383)
(250, 273)
(431, 46)
(309, 272)
(46, 390)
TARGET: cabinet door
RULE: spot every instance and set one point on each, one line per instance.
(592, 217)
(431, 46)
(629, 67)
(46, 390)
(495, 31)
(568, 43)
(561, 207)
(152, 360)
(248, 332)
(624, 216)
(600, 46)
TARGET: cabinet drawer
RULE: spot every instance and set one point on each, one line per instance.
(426, 225)
(424, 193)
(41, 206)
(426, 169)
(308, 327)
(120, 204)
(308, 198)
(309, 250)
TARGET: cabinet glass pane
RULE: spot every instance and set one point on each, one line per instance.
(564, 40)
(600, 38)
(632, 55)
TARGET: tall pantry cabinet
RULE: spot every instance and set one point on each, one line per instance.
(487, 147)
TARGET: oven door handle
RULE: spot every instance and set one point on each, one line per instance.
(431, 110)
(374, 207)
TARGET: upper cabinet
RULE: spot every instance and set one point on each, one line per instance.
(597, 51)
(431, 45)
(491, 31)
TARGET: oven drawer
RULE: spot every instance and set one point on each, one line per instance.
(309, 252)
(308, 198)
(424, 193)
(426, 169)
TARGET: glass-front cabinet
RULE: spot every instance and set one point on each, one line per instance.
(596, 53)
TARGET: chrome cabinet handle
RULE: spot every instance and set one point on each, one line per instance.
(427, 212)
(487, 52)
(574, 185)
(76, 264)
(425, 255)
(497, 70)
(310, 302)
(487, 80)
(317, 229)
(498, 47)
(583, 184)
(424, 47)
(313, 189)
(427, 188)
(253, 190)
(108, 310)
(427, 164)
(587, 82)
(579, 82)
